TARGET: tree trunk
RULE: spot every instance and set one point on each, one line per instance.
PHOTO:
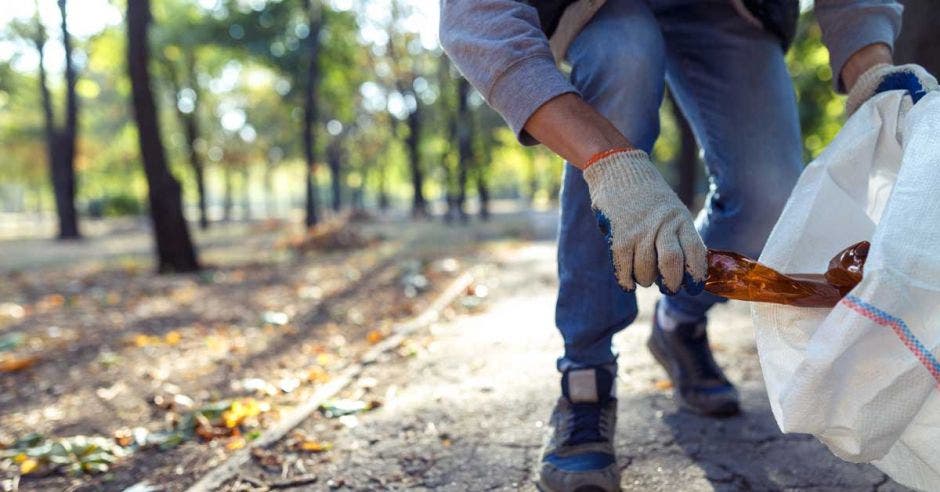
(190, 126)
(227, 199)
(686, 161)
(269, 211)
(464, 145)
(246, 194)
(175, 252)
(919, 39)
(483, 192)
(310, 108)
(383, 188)
(419, 206)
(334, 161)
(60, 144)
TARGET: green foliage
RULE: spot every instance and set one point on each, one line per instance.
(240, 68)
(118, 205)
(820, 108)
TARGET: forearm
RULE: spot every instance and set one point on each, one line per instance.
(574, 130)
(851, 26)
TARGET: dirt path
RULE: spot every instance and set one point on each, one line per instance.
(467, 410)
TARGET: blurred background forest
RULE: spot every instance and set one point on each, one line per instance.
(285, 109)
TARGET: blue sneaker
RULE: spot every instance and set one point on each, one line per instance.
(579, 455)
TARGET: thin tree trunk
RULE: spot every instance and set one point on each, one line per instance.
(227, 199)
(269, 211)
(687, 160)
(68, 217)
(419, 206)
(334, 161)
(464, 146)
(310, 108)
(175, 252)
(383, 188)
(60, 144)
(190, 126)
(246, 195)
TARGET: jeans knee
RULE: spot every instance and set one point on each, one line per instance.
(618, 66)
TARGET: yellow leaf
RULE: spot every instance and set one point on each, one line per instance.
(375, 336)
(316, 446)
(173, 337)
(19, 458)
(28, 466)
(13, 363)
(317, 374)
(236, 443)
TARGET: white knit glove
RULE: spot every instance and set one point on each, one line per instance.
(884, 77)
(649, 230)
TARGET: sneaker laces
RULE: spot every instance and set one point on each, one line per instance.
(585, 424)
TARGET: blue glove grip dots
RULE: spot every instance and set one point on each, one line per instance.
(692, 287)
(903, 81)
(603, 223)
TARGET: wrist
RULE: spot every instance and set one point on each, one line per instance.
(863, 60)
(621, 169)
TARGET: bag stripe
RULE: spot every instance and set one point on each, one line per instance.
(900, 329)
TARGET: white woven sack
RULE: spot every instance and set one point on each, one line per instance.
(864, 377)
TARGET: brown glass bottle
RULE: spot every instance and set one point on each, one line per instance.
(735, 276)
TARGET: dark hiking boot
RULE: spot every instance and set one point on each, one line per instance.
(699, 384)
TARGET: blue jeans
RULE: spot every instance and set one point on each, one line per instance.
(730, 80)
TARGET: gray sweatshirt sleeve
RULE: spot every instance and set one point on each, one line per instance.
(501, 50)
(850, 25)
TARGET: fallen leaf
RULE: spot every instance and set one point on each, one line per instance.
(13, 363)
(663, 384)
(235, 443)
(173, 337)
(317, 374)
(375, 336)
(312, 446)
(28, 466)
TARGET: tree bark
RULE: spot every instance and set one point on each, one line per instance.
(60, 144)
(68, 217)
(175, 252)
(269, 211)
(686, 161)
(419, 206)
(310, 109)
(227, 194)
(334, 157)
(464, 146)
(190, 125)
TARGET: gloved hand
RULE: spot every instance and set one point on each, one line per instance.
(649, 230)
(884, 77)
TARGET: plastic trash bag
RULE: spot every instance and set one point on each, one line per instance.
(864, 376)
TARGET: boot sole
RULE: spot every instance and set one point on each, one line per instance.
(728, 410)
(584, 488)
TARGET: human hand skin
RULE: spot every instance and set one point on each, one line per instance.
(574, 130)
(649, 231)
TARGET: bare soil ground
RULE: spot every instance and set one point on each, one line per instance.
(114, 350)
